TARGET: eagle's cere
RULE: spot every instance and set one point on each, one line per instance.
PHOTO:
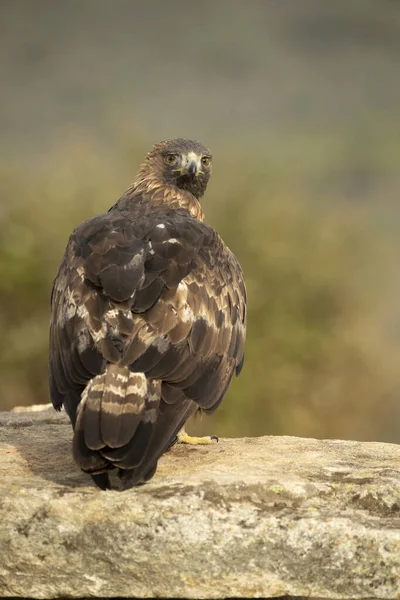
(148, 318)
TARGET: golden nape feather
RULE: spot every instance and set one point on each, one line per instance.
(148, 318)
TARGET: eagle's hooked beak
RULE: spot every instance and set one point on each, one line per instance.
(192, 166)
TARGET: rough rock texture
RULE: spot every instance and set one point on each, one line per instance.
(243, 518)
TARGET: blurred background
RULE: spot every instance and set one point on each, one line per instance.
(299, 101)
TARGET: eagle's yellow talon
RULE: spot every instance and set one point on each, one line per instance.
(184, 438)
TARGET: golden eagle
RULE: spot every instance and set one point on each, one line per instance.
(148, 318)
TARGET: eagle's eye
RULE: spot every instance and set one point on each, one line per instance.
(171, 158)
(205, 161)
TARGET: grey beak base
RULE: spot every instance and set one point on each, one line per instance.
(191, 168)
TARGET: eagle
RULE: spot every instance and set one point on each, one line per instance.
(148, 319)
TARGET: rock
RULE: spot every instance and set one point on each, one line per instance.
(260, 517)
(32, 408)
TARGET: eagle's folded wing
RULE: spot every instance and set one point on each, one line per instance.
(162, 296)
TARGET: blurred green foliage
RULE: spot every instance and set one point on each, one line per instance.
(299, 102)
(317, 362)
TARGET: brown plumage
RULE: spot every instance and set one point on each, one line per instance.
(148, 318)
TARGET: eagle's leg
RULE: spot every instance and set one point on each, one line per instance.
(184, 438)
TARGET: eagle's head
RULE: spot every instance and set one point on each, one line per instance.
(185, 164)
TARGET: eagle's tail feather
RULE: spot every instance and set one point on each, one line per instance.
(133, 453)
(115, 420)
(171, 419)
(101, 480)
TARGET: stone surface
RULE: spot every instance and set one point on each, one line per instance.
(243, 518)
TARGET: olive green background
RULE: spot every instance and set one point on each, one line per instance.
(299, 101)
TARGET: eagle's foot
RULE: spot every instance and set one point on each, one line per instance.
(184, 438)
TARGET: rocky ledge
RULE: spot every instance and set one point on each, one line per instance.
(261, 517)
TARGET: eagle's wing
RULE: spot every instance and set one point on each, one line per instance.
(161, 295)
